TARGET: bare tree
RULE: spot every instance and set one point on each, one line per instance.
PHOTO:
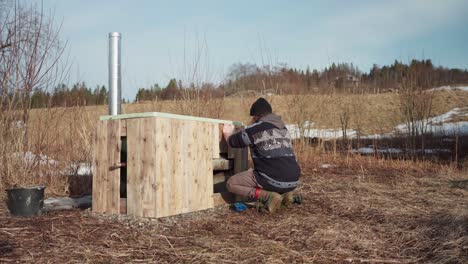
(416, 107)
(30, 59)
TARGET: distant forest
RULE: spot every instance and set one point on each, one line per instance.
(252, 79)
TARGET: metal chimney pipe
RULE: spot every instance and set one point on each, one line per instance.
(115, 80)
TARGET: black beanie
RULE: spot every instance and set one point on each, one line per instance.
(261, 107)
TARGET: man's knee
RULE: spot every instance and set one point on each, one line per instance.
(230, 184)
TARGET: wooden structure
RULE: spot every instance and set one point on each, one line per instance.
(170, 164)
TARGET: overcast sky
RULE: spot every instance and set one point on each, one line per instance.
(164, 39)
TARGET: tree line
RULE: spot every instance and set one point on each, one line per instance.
(342, 77)
(338, 77)
(77, 95)
(281, 79)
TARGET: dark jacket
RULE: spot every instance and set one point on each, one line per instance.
(275, 165)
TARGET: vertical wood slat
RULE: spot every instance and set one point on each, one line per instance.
(204, 150)
(190, 163)
(178, 175)
(99, 161)
(114, 146)
(123, 127)
(148, 173)
(239, 155)
(232, 152)
(215, 140)
(141, 167)
(106, 181)
(207, 173)
(164, 166)
(133, 167)
(240, 160)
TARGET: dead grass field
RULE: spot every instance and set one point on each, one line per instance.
(365, 210)
(66, 134)
(374, 112)
(361, 210)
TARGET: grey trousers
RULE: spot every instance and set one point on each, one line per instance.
(243, 184)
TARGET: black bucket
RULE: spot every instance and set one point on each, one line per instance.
(25, 201)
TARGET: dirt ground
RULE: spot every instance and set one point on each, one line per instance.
(348, 216)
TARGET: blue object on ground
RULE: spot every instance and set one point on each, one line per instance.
(239, 207)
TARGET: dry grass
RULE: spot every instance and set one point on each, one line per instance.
(361, 211)
(374, 112)
(65, 134)
(57, 138)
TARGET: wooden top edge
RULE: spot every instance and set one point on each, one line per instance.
(168, 115)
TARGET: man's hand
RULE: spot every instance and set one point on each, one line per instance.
(228, 130)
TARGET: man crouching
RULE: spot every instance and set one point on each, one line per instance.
(276, 172)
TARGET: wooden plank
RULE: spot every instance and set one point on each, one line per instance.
(113, 175)
(99, 162)
(216, 140)
(222, 164)
(240, 160)
(206, 181)
(179, 174)
(220, 177)
(123, 128)
(148, 165)
(239, 155)
(198, 151)
(232, 151)
(168, 115)
(164, 166)
(134, 167)
(142, 187)
(190, 162)
(219, 181)
(106, 182)
(123, 206)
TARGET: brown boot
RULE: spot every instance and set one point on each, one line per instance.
(271, 200)
(288, 199)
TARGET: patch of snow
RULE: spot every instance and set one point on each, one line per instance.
(31, 158)
(364, 150)
(371, 150)
(67, 203)
(435, 151)
(391, 150)
(450, 88)
(327, 166)
(379, 136)
(306, 130)
(438, 125)
(81, 169)
(75, 169)
(18, 124)
(441, 125)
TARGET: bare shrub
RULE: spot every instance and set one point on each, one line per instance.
(344, 115)
(416, 107)
(359, 114)
(30, 53)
